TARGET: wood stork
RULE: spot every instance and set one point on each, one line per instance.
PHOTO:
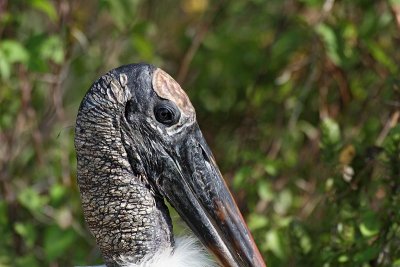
(138, 143)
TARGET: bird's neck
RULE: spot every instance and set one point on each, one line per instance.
(127, 218)
(129, 226)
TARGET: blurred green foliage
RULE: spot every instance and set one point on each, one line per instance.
(299, 99)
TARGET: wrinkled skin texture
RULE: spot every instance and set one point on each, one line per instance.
(138, 142)
(125, 214)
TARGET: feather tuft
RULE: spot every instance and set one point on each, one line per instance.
(188, 252)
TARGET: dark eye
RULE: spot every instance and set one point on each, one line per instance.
(166, 114)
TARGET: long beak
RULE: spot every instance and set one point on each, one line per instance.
(201, 197)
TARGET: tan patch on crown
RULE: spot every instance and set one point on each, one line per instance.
(166, 87)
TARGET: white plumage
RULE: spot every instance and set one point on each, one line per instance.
(186, 253)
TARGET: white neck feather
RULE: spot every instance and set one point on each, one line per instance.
(186, 253)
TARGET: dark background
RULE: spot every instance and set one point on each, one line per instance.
(299, 101)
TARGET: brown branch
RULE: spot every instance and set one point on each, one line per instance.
(395, 9)
(187, 59)
(201, 31)
(392, 122)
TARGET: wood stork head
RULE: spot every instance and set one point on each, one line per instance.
(138, 143)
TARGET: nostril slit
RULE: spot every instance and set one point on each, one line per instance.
(204, 154)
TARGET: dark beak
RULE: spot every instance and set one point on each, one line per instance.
(193, 184)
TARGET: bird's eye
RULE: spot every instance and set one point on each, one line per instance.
(166, 114)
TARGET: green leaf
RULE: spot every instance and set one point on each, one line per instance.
(143, 46)
(3, 214)
(346, 232)
(5, 70)
(302, 239)
(57, 241)
(45, 6)
(312, 3)
(396, 263)
(380, 55)
(53, 49)
(32, 200)
(257, 221)
(265, 191)
(122, 11)
(330, 140)
(343, 258)
(330, 131)
(27, 232)
(370, 224)
(271, 167)
(45, 48)
(241, 177)
(367, 254)
(57, 193)
(14, 51)
(331, 44)
(11, 52)
(27, 260)
(392, 142)
(284, 201)
(274, 243)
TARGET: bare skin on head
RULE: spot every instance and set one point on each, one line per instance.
(166, 87)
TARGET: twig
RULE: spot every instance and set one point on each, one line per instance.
(395, 9)
(392, 122)
(187, 59)
(201, 32)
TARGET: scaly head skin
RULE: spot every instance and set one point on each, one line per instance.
(138, 142)
(124, 213)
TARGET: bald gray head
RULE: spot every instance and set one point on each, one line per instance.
(138, 142)
(124, 212)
